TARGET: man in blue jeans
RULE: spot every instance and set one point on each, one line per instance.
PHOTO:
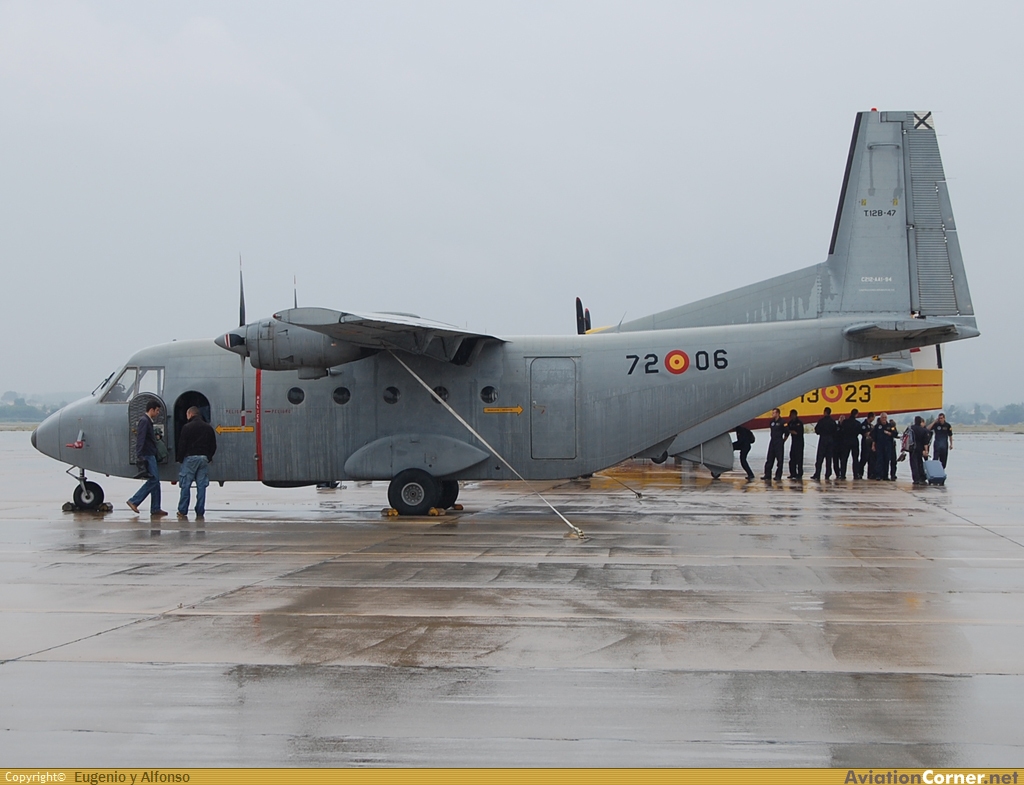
(145, 452)
(195, 447)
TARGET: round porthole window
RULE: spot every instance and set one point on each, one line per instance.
(342, 396)
(440, 392)
(488, 394)
(391, 395)
(296, 395)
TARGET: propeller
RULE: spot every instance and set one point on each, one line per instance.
(241, 325)
(295, 291)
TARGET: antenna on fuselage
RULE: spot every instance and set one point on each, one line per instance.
(241, 323)
(295, 292)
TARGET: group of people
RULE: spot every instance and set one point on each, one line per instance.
(860, 448)
(194, 450)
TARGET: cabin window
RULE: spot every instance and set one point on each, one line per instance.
(296, 395)
(488, 394)
(440, 392)
(392, 394)
(342, 396)
(135, 381)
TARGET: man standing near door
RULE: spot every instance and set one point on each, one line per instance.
(195, 448)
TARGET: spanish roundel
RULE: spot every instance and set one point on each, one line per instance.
(676, 361)
(832, 394)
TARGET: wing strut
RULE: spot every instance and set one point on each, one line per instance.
(576, 530)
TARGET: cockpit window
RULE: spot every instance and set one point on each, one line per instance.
(133, 381)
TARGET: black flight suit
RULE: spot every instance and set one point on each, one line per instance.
(849, 436)
(922, 437)
(942, 433)
(776, 449)
(826, 430)
(795, 431)
(743, 443)
(884, 438)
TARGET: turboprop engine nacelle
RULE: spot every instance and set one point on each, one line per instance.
(271, 345)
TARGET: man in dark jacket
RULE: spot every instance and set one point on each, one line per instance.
(145, 452)
(795, 432)
(826, 429)
(849, 437)
(195, 448)
(776, 448)
(943, 439)
(922, 437)
(883, 437)
(867, 457)
(744, 440)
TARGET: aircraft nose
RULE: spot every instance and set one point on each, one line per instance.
(46, 436)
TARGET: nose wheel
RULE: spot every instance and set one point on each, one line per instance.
(87, 495)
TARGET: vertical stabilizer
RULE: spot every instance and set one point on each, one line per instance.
(894, 245)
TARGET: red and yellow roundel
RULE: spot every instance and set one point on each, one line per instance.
(832, 394)
(676, 361)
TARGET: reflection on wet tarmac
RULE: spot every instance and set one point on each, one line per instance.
(705, 623)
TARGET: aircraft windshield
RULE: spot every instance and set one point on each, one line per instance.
(135, 381)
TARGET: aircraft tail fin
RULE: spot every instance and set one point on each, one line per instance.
(894, 246)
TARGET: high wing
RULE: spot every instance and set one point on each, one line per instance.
(401, 331)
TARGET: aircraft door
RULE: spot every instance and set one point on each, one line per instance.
(181, 406)
(553, 408)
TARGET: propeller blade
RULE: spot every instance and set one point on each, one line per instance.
(586, 319)
(295, 291)
(241, 294)
(581, 324)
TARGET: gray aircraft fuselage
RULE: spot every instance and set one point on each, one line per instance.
(314, 395)
(587, 402)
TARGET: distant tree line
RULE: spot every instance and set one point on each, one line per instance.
(981, 414)
(14, 408)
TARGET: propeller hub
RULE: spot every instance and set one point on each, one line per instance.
(233, 341)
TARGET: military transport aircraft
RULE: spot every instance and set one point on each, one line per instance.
(328, 395)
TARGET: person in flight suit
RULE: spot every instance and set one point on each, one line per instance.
(867, 456)
(943, 443)
(849, 439)
(744, 441)
(921, 436)
(884, 436)
(795, 433)
(826, 429)
(776, 447)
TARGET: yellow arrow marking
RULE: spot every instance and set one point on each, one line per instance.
(503, 410)
(234, 429)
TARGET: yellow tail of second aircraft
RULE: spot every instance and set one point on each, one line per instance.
(916, 391)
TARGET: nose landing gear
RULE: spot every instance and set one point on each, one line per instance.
(87, 495)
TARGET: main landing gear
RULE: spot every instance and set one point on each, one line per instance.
(87, 495)
(415, 492)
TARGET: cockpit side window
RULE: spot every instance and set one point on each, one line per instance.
(134, 381)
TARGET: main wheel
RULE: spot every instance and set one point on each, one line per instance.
(88, 498)
(449, 493)
(414, 492)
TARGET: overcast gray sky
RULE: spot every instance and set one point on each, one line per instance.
(477, 163)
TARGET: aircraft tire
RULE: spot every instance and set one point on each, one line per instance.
(661, 458)
(449, 493)
(414, 492)
(88, 498)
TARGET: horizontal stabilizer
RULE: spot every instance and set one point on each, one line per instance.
(875, 367)
(917, 331)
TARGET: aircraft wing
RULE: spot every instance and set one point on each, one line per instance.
(402, 331)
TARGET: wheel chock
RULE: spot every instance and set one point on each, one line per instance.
(389, 512)
(458, 507)
(435, 512)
